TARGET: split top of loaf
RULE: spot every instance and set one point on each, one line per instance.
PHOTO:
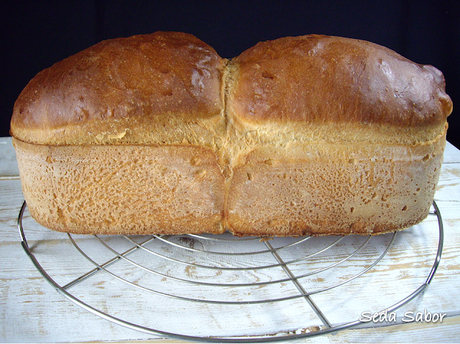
(170, 88)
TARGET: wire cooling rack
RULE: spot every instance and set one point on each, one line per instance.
(220, 288)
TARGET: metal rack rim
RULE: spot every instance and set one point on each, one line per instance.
(232, 339)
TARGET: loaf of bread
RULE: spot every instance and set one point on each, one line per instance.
(157, 134)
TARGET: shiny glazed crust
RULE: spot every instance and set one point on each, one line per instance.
(301, 135)
(126, 91)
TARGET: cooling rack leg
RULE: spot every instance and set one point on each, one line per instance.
(299, 287)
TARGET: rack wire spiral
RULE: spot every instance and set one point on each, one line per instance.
(279, 280)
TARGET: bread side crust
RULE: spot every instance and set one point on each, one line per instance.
(299, 189)
(122, 189)
(330, 189)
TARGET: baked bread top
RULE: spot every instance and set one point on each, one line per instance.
(319, 78)
(172, 88)
(124, 91)
(318, 88)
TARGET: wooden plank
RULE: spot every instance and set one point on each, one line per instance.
(8, 164)
(31, 311)
(451, 154)
(403, 268)
(446, 332)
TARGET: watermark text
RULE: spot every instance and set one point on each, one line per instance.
(392, 317)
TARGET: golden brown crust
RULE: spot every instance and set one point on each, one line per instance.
(122, 90)
(321, 79)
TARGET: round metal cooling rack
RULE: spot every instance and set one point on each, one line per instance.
(287, 283)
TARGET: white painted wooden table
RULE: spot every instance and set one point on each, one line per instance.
(32, 311)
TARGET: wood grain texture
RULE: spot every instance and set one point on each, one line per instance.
(31, 311)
